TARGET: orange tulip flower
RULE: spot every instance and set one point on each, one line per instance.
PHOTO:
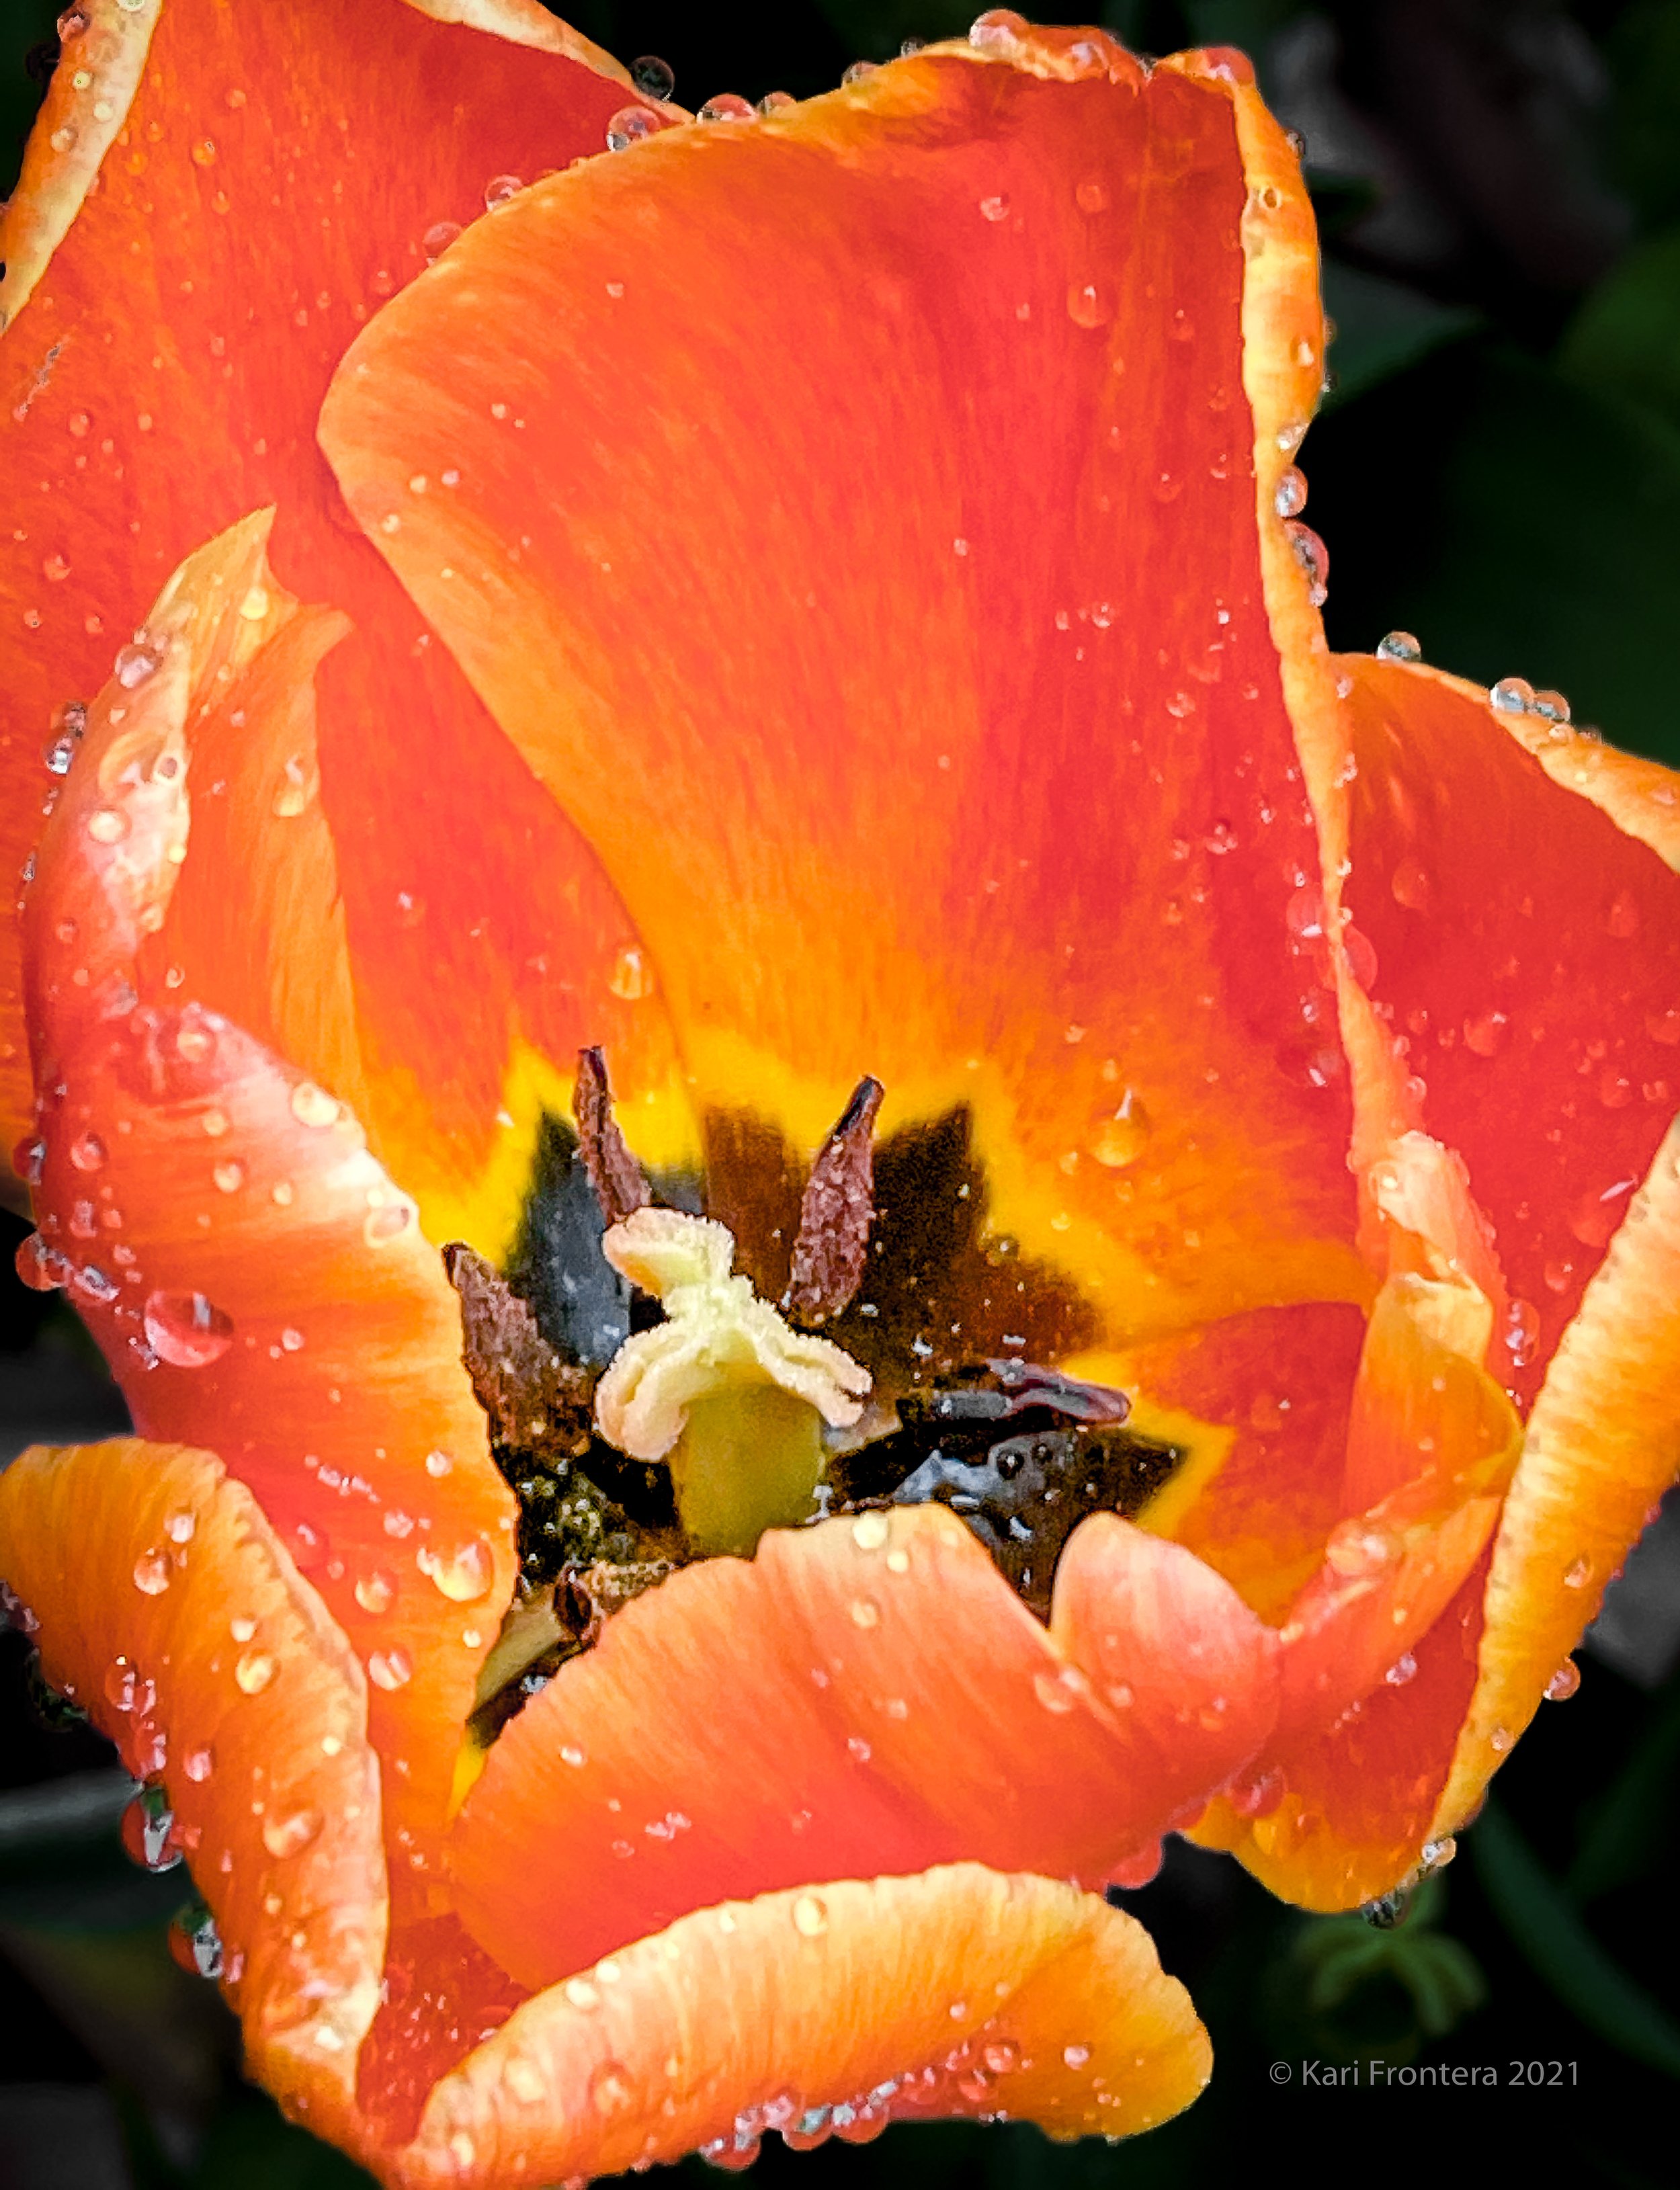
(802, 602)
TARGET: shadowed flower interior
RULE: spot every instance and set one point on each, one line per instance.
(698, 1580)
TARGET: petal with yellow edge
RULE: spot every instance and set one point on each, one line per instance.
(257, 1280)
(167, 1606)
(749, 1725)
(147, 412)
(829, 2009)
(913, 659)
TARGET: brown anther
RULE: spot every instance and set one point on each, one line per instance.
(836, 1214)
(620, 1183)
(536, 1401)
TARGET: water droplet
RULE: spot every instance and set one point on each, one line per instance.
(185, 1330)
(39, 1266)
(199, 1763)
(290, 1836)
(465, 1574)
(998, 32)
(631, 978)
(148, 1832)
(376, 1592)
(181, 1526)
(253, 1672)
(810, 1917)
(296, 788)
(866, 1612)
(1314, 557)
(1403, 1669)
(126, 1689)
(1092, 195)
(582, 1995)
(1596, 1218)
(857, 71)
(727, 106)
(151, 1573)
(1500, 1740)
(500, 189)
(1122, 1136)
(312, 1105)
(1089, 304)
(107, 824)
(870, 1530)
(1411, 886)
(439, 1463)
(653, 76)
(1076, 2056)
(1291, 498)
(390, 1669)
(629, 126)
(134, 663)
(1552, 704)
(438, 238)
(994, 208)
(1563, 1683)
(1511, 695)
(1521, 1332)
(610, 2088)
(229, 1176)
(1578, 1573)
(1485, 1036)
(1002, 2055)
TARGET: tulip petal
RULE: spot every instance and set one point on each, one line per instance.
(1603, 1443)
(162, 381)
(169, 1609)
(256, 1278)
(1514, 881)
(960, 716)
(748, 1726)
(959, 1992)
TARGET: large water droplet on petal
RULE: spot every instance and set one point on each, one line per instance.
(185, 1330)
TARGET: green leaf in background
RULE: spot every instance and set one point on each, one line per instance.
(1520, 525)
(1628, 1832)
(1382, 327)
(1548, 1929)
(1643, 133)
(1626, 338)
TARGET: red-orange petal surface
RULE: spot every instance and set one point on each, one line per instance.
(862, 1697)
(269, 179)
(168, 1606)
(834, 2008)
(258, 1281)
(869, 557)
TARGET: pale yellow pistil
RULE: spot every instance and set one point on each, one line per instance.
(724, 1392)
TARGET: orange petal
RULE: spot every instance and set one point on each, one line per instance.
(862, 1697)
(1259, 1404)
(966, 1992)
(1515, 882)
(168, 1608)
(1435, 1426)
(1601, 1449)
(151, 412)
(1363, 1802)
(1008, 737)
(256, 1278)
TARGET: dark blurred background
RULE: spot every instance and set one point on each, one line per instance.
(1497, 469)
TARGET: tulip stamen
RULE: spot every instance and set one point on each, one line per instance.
(620, 1183)
(836, 1214)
